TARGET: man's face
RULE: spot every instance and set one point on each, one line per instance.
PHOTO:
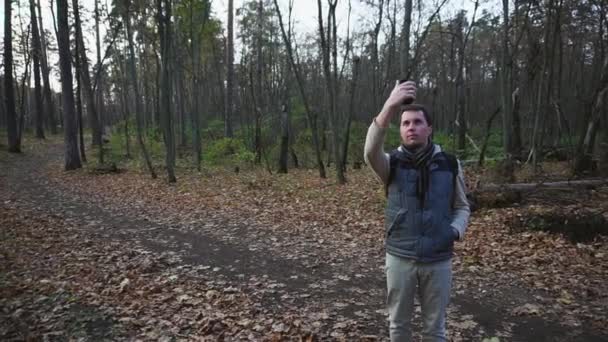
(414, 129)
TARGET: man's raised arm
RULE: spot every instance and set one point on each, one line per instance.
(374, 154)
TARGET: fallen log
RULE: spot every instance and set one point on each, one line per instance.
(523, 187)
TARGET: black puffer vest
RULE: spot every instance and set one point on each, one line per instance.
(422, 234)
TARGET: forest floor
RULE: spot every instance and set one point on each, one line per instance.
(254, 256)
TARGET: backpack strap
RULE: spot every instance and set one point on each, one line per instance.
(393, 163)
(452, 163)
(453, 166)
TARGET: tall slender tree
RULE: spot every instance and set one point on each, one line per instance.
(404, 61)
(139, 107)
(14, 143)
(44, 64)
(229, 108)
(259, 97)
(328, 50)
(85, 78)
(36, 54)
(164, 29)
(310, 115)
(72, 159)
(79, 116)
(99, 102)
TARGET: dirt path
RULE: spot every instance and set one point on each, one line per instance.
(278, 280)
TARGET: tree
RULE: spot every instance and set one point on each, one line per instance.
(164, 28)
(14, 143)
(85, 78)
(194, 19)
(99, 104)
(72, 160)
(284, 140)
(229, 108)
(310, 116)
(405, 40)
(506, 82)
(259, 97)
(328, 50)
(79, 117)
(48, 97)
(584, 153)
(135, 85)
(460, 85)
(37, 53)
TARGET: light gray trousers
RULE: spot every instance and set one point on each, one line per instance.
(432, 282)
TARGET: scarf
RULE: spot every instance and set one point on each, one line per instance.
(420, 159)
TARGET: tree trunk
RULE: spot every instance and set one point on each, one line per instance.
(14, 143)
(390, 70)
(540, 100)
(195, 45)
(259, 101)
(351, 109)
(79, 116)
(229, 108)
(460, 96)
(482, 154)
(135, 85)
(36, 53)
(48, 96)
(284, 140)
(584, 153)
(506, 91)
(124, 101)
(164, 29)
(327, 47)
(312, 119)
(566, 185)
(86, 83)
(99, 89)
(405, 39)
(72, 160)
(375, 59)
(181, 107)
(25, 85)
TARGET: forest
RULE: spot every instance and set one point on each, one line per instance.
(194, 169)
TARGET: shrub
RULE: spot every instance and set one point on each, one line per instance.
(227, 151)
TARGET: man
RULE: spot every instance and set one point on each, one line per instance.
(426, 212)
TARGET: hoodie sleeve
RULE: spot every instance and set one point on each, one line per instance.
(461, 213)
(374, 154)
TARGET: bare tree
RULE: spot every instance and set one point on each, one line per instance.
(14, 143)
(229, 108)
(461, 120)
(328, 50)
(99, 79)
(85, 78)
(72, 159)
(138, 100)
(584, 153)
(258, 98)
(404, 66)
(164, 28)
(48, 97)
(284, 140)
(79, 116)
(36, 53)
(311, 117)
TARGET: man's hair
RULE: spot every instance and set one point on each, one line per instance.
(416, 107)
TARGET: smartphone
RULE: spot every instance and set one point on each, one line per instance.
(408, 101)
